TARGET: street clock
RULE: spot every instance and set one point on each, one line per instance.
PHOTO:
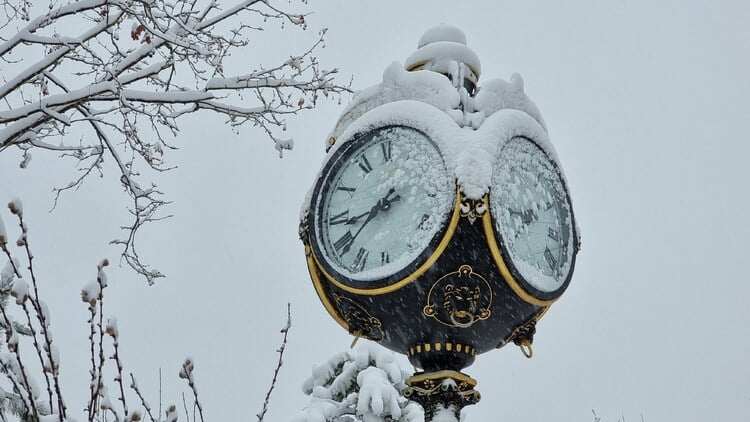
(440, 224)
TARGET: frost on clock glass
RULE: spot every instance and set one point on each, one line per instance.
(532, 214)
(382, 203)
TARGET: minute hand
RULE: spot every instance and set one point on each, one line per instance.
(382, 205)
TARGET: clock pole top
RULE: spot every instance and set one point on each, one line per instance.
(439, 48)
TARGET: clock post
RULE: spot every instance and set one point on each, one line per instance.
(440, 225)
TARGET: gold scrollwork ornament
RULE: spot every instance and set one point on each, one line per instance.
(360, 322)
(473, 209)
(442, 389)
(459, 299)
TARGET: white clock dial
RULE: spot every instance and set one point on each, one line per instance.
(381, 203)
(532, 215)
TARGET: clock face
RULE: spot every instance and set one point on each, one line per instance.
(380, 203)
(533, 217)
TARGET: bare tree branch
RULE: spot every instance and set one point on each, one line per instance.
(285, 332)
(123, 85)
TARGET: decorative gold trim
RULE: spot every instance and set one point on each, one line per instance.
(529, 325)
(452, 224)
(459, 283)
(360, 322)
(313, 269)
(542, 314)
(416, 66)
(489, 233)
(442, 390)
(437, 346)
(420, 66)
(458, 376)
(526, 348)
(473, 209)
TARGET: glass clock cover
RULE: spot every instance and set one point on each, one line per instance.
(381, 201)
(533, 218)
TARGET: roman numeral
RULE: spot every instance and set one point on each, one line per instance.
(551, 261)
(346, 189)
(423, 222)
(364, 164)
(552, 234)
(385, 147)
(384, 258)
(344, 243)
(339, 218)
(360, 260)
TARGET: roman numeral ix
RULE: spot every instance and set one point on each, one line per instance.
(346, 189)
(339, 218)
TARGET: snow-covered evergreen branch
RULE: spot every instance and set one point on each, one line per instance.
(365, 384)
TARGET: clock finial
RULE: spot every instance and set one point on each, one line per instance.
(442, 47)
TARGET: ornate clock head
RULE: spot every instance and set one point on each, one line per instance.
(533, 219)
(381, 200)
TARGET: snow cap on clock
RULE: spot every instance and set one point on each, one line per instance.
(440, 44)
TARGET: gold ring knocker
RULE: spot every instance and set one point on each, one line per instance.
(525, 346)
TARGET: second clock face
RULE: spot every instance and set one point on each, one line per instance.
(381, 202)
(533, 216)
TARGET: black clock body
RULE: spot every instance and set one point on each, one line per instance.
(458, 298)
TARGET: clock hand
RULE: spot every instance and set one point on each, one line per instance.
(353, 220)
(527, 216)
(382, 205)
(385, 203)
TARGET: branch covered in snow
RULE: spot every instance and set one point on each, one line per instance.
(30, 388)
(27, 400)
(112, 80)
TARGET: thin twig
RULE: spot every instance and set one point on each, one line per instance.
(101, 282)
(14, 350)
(39, 354)
(280, 350)
(144, 403)
(94, 371)
(113, 332)
(187, 373)
(184, 406)
(44, 325)
(16, 386)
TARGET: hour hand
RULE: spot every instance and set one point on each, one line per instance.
(382, 205)
(355, 219)
(527, 216)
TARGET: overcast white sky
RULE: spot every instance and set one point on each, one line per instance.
(647, 105)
